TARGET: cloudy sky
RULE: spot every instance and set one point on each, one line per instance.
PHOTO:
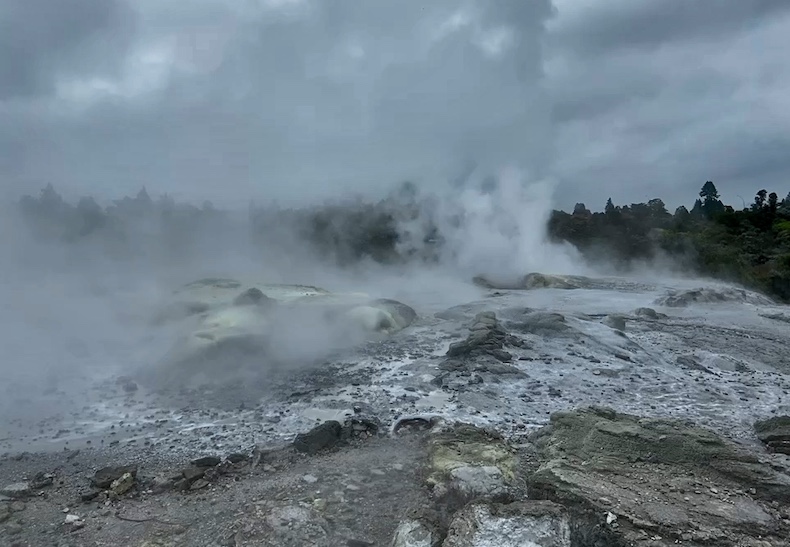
(302, 99)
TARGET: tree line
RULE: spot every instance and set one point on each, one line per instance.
(749, 246)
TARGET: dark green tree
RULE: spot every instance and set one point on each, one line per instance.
(711, 204)
(759, 200)
(709, 191)
(609, 209)
(773, 202)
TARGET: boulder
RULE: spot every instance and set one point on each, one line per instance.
(321, 437)
(483, 349)
(708, 295)
(775, 434)
(253, 297)
(542, 323)
(679, 482)
(616, 322)
(470, 462)
(525, 524)
(104, 477)
(413, 533)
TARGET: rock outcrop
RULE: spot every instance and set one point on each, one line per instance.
(775, 434)
(664, 481)
(706, 295)
(482, 352)
(531, 523)
(228, 326)
(531, 281)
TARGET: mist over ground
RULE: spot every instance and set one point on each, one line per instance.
(83, 282)
(273, 138)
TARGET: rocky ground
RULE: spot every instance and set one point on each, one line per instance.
(558, 412)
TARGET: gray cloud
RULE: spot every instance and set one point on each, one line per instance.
(621, 24)
(42, 41)
(304, 99)
(637, 122)
(282, 102)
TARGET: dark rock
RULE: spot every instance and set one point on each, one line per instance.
(193, 473)
(237, 457)
(774, 433)
(415, 423)
(41, 480)
(253, 297)
(319, 438)
(86, 497)
(104, 477)
(199, 484)
(482, 351)
(207, 461)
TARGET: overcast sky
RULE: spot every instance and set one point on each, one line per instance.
(235, 99)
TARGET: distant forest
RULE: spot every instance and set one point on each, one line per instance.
(750, 246)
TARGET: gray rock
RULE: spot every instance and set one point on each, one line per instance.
(705, 295)
(542, 323)
(14, 528)
(193, 473)
(105, 476)
(475, 480)
(605, 459)
(534, 523)
(122, 484)
(162, 484)
(17, 490)
(482, 351)
(199, 484)
(616, 322)
(207, 461)
(412, 533)
(649, 313)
